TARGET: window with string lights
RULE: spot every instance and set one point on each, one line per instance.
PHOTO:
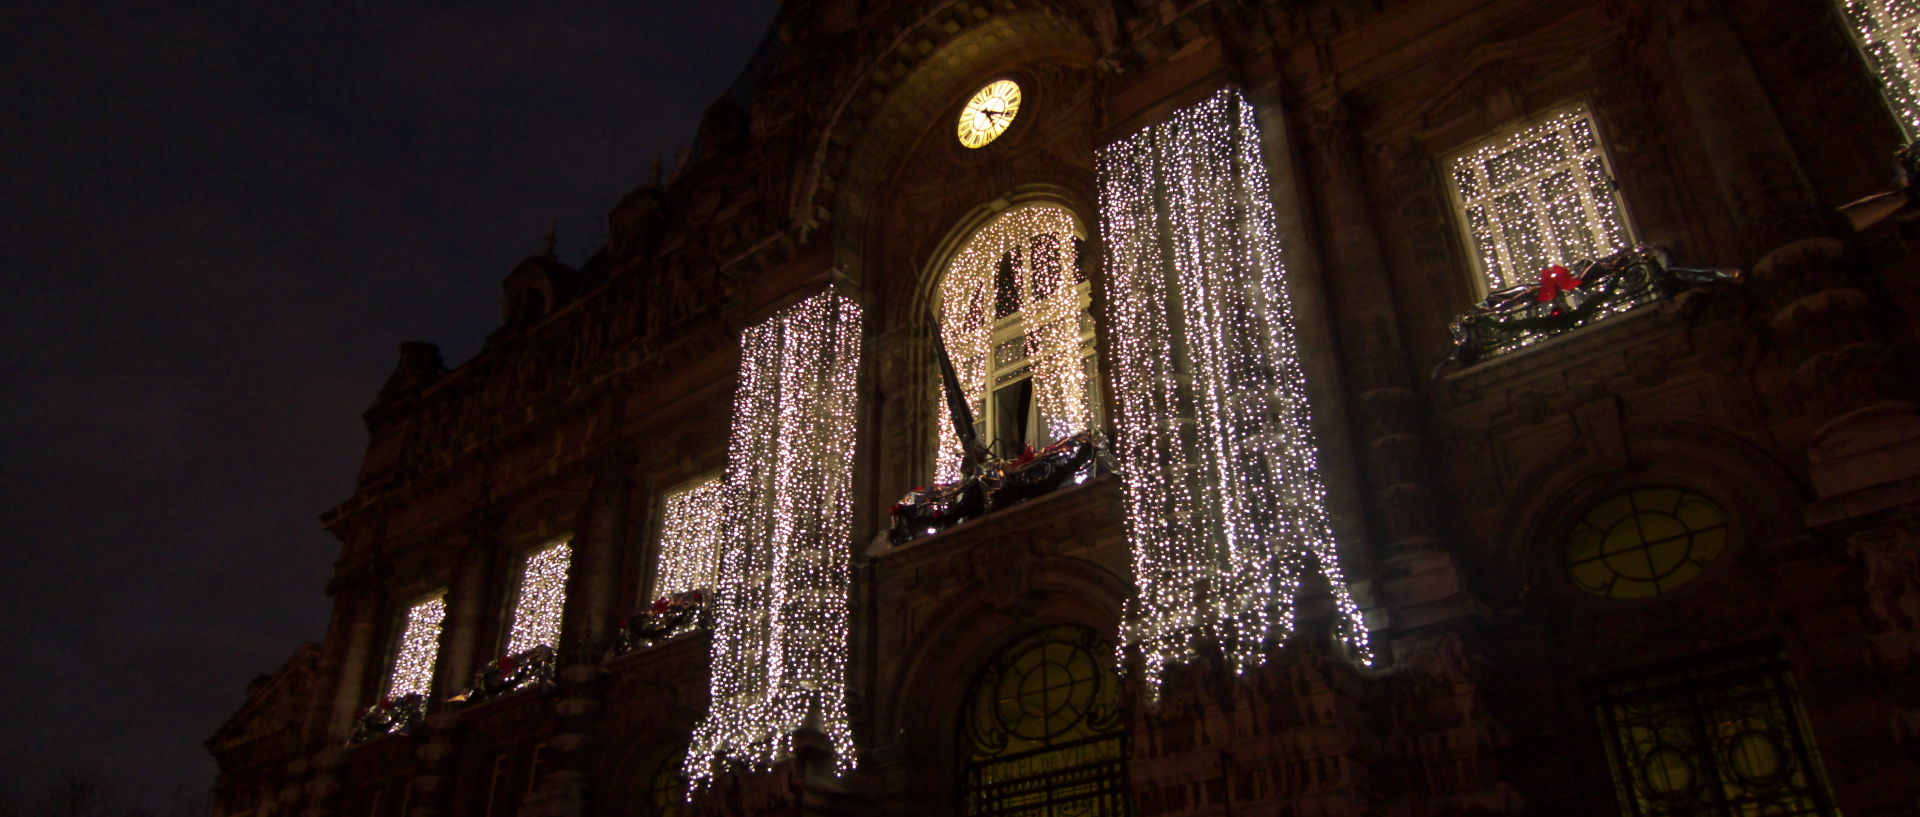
(1013, 314)
(692, 527)
(539, 601)
(1550, 241)
(1536, 197)
(1015, 412)
(1888, 34)
(409, 680)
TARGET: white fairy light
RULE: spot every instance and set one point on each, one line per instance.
(1538, 196)
(541, 600)
(419, 648)
(779, 651)
(1037, 239)
(1224, 504)
(1888, 34)
(690, 537)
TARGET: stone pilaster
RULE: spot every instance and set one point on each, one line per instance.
(1753, 163)
(587, 629)
(459, 644)
(1417, 577)
(350, 653)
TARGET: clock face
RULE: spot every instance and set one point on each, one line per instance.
(988, 113)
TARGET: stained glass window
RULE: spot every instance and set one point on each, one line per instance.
(1888, 33)
(1645, 542)
(541, 599)
(1713, 740)
(667, 788)
(690, 532)
(1538, 195)
(1042, 734)
(418, 648)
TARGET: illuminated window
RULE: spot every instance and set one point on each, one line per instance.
(419, 647)
(690, 537)
(541, 599)
(1645, 542)
(1717, 740)
(1888, 33)
(1013, 314)
(1042, 733)
(1537, 196)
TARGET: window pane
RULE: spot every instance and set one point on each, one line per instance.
(1644, 542)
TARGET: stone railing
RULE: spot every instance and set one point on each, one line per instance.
(511, 673)
(391, 716)
(666, 618)
(997, 485)
(1568, 298)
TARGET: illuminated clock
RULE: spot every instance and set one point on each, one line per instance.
(989, 112)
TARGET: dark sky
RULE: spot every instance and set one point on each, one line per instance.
(218, 222)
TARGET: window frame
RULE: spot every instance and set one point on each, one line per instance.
(1010, 329)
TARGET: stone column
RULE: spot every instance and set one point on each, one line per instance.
(1753, 163)
(586, 632)
(1417, 576)
(467, 608)
(459, 645)
(1313, 322)
(351, 644)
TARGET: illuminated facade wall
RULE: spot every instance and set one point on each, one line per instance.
(1222, 518)
(779, 652)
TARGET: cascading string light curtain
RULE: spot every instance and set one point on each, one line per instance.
(1037, 239)
(779, 650)
(1225, 507)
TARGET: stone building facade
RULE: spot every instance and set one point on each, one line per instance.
(1766, 658)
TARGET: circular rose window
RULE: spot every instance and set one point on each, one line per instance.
(1645, 542)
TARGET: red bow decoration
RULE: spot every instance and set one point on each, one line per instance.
(505, 664)
(661, 605)
(1555, 280)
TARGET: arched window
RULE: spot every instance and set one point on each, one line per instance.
(1012, 308)
(667, 788)
(1042, 734)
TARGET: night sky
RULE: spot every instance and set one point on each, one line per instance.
(219, 222)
